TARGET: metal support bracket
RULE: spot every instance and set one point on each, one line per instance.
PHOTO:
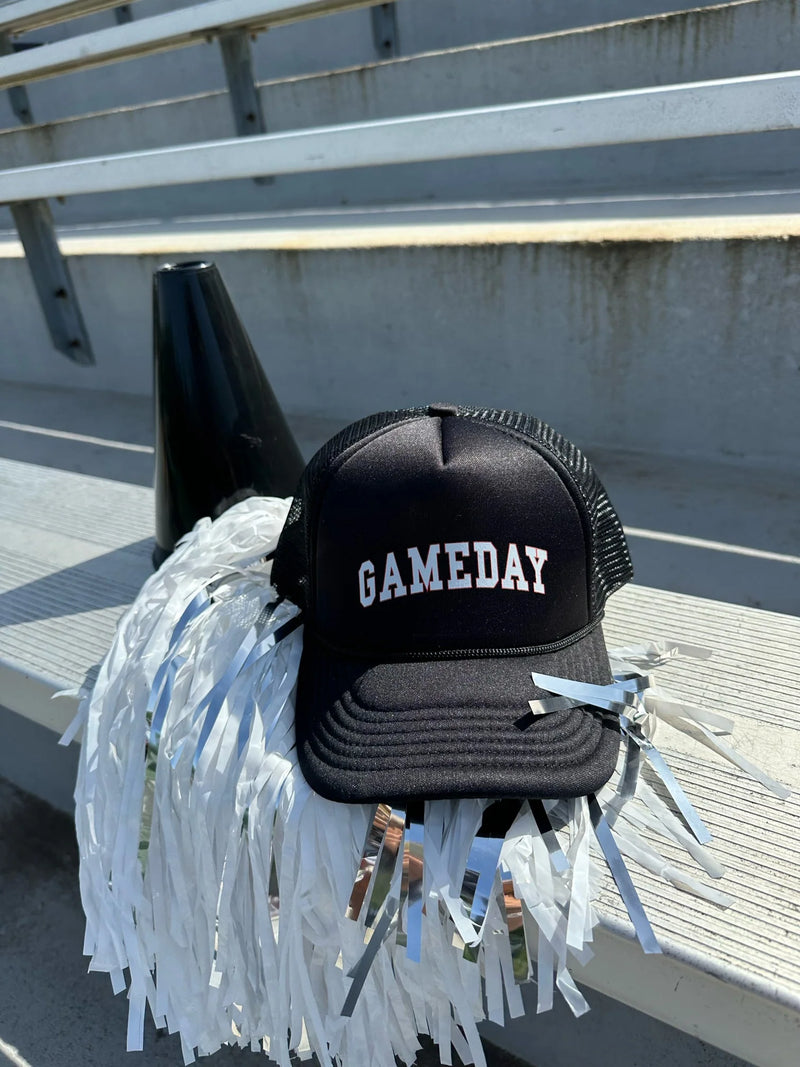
(18, 95)
(384, 30)
(34, 222)
(248, 116)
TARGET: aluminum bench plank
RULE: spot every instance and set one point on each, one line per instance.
(186, 26)
(730, 976)
(719, 107)
(76, 548)
(26, 15)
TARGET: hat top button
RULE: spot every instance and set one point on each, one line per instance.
(442, 410)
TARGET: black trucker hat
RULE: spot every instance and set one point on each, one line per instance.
(440, 555)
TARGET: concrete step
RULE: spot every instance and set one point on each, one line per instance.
(661, 335)
(718, 530)
(700, 44)
(320, 44)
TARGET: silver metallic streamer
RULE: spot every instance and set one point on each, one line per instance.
(246, 721)
(654, 654)
(386, 865)
(212, 703)
(685, 806)
(615, 697)
(658, 816)
(411, 891)
(148, 797)
(250, 651)
(730, 754)
(629, 779)
(619, 872)
(361, 970)
(476, 888)
(557, 857)
(156, 705)
(367, 860)
(634, 682)
(620, 696)
(545, 706)
(172, 665)
(579, 928)
(665, 706)
(511, 910)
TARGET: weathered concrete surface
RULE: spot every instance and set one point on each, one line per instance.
(708, 43)
(684, 348)
(326, 43)
(31, 759)
(54, 1014)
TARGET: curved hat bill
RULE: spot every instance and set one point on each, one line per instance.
(435, 728)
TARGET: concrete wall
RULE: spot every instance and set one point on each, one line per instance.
(685, 348)
(31, 758)
(319, 44)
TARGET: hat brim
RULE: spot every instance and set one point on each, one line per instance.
(445, 728)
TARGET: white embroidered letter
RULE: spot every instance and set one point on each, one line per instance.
(538, 557)
(366, 583)
(392, 582)
(483, 549)
(455, 550)
(514, 578)
(425, 577)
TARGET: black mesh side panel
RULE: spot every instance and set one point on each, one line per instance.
(290, 569)
(611, 562)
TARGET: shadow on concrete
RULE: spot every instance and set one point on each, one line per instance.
(98, 583)
(81, 457)
(773, 585)
(107, 435)
(728, 532)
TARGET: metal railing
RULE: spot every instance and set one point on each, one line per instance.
(702, 109)
(24, 15)
(742, 105)
(162, 33)
(231, 22)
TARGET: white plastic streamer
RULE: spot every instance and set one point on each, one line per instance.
(224, 887)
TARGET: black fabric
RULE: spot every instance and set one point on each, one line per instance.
(440, 554)
(611, 561)
(368, 732)
(611, 564)
(428, 484)
(291, 572)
